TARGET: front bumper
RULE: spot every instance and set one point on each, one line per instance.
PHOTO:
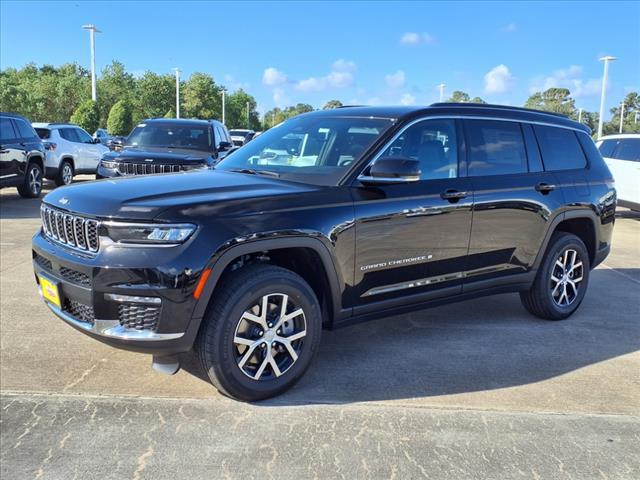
(111, 304)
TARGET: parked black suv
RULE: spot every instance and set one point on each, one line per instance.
(21, 156)
(164, 145)
(332, 217)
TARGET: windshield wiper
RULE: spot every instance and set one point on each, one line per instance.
(252, 171)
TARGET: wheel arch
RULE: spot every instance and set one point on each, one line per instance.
(68, 158)
(582, 223)
(285, 252)
(37, 158)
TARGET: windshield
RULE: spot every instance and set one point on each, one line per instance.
(171, 135)
(313, 149)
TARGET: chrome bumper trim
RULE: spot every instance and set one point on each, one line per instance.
(113, 329)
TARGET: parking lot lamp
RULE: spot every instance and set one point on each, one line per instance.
(441, 87)
(177, 70)
(606, 61)
(579, 115)
(621, 116)
(92, 39)
(223, 107)
(248, 115)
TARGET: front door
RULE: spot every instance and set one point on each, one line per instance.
(412, 238)
(11, 155)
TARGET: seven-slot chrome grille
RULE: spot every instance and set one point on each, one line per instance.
(146, 168)
(72, 230)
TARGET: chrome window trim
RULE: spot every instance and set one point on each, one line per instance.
(459, 117)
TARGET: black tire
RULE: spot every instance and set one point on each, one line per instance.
(31, 186)
(220, 355)
(542, 299)
(65, 174)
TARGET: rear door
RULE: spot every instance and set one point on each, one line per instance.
(412, 238)
(513, 201)
(623, 159)
(89, 152)
(11, 154)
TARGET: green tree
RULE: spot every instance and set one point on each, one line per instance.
(87, 116)
(332, 104)
(236, 111)
(557, 100)
(114, 84)
(459, 96)
(155, 95)
(201, 97)
(120, 120)
(629, 124)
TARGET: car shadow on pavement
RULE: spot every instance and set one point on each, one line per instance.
(477, 345)
(13, 206)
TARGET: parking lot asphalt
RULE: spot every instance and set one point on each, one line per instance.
(479, 389)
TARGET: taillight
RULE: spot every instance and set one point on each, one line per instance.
(50, 146)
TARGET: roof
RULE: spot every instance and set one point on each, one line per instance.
(52, 124)
(619, 136)
(468, 109)
(13, 115)
(177, 120)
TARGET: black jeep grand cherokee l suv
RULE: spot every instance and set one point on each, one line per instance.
(332, 217)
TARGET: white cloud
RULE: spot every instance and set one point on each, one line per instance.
(570, 78)
(408, 99)
(340, 76)
(395, 80)
(498, 80)
(280, 98)
(272, 77)
(342, 65)
(511, 27)
(413, 38)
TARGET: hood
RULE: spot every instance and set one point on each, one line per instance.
(157, 155)
(145, 197)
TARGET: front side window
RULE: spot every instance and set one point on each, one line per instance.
(628, 149)
(560, 148)
(433, 143)
(6, 129)
(24, 129)
(83, 136)
(308, 149)
(172, 135)
(495, 148)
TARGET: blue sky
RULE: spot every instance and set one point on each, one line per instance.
(357, 52)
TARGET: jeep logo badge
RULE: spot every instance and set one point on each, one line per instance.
(63, 201)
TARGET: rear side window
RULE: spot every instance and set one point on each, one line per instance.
(495, 148)
(24, 129)
(560, 148)
(6, 130)
(607, 147)
(43, 133)
(628, 149)
(69, 134)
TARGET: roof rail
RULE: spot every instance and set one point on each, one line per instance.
(496, 107)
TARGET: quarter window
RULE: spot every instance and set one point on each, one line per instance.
(433, 143)
(6, 129)
(495, 148)
(560, 148)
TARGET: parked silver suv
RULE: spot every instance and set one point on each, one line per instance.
(70, 150)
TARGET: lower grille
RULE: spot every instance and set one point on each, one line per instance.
(147, 168)
(138, 317)
(44, 263)
(79, 311)
(76, 277)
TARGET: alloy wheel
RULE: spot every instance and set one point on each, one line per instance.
(35, 181)
(269, 336)
(566, 277)
(67, 174)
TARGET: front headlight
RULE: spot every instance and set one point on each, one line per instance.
(108, 164)
(149, 234)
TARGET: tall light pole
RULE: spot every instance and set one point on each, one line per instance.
(580, 115)
(177, 70)
(223, 107)
(606, 61)
(248, 122)
(621, 116)
(441, 87)
(92, 39)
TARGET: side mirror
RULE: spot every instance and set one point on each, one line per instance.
(224, 146)
(387, 170)
(96, 140)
